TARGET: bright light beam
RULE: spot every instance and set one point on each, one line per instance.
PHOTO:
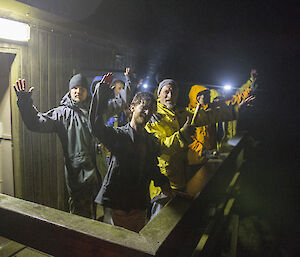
(145, 85)
(14, 30)
(227, 87)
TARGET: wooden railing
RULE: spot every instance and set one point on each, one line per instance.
(182, 228)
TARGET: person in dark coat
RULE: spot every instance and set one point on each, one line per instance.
(70, 121)
(133, 163)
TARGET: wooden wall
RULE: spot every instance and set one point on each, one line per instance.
(47, 62)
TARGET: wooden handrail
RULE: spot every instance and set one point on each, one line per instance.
(62, 234)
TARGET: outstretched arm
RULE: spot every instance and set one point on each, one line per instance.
(114, 104)
(98, 109)
(33, 119)
(126, 94)
(245, 90)
(218, 112)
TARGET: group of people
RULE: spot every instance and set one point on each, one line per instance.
(149, 157)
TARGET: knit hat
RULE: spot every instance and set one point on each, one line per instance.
(164, 83)
(78, 80)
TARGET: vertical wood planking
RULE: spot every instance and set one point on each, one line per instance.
(44, 172)
(36, 139)
(27, 150)
(67, 67)
(59, 152)
(28, 137)
(52, 102)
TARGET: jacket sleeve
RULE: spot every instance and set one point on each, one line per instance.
(158, 178)
(100, 104)
(242, 93)
(168, 144)
(106, 135)
(35, 120)
(245, 86)
(216, 114)
(122, 101)
(126, 94)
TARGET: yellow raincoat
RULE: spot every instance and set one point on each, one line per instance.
(166, 125)
(205, 136)
(242, 93)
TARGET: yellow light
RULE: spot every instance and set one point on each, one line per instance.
(14, 30)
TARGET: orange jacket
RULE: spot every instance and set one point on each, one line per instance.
(205, 136)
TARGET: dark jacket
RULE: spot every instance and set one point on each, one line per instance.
(132, 166)
(70, 122)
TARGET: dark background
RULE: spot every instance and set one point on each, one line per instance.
(216, 42)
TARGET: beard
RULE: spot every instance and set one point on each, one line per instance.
(170, 105)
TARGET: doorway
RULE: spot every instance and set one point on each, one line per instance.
(6, 154)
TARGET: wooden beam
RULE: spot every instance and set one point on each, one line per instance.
(62, 234)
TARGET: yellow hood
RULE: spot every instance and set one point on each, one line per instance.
(193, 95)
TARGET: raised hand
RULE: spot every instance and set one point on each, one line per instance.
(107, 78)
(127, 71)
(253, 74)
(188, 130)
(20, 88)
(248, 102)
(139, 83)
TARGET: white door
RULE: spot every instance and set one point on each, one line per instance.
(6, 161)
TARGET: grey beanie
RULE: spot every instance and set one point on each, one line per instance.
(78, 80)
(164, 83)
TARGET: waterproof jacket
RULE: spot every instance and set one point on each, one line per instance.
(241, 94)
(70, 122)
(133, 163)
(166, 124)
(205, 136)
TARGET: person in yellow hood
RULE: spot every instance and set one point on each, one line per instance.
(172, 126)
(205, 136)
(205, 139)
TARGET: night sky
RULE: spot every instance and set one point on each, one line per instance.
(216, 42)
(205, 41)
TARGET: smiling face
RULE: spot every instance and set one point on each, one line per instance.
(142, 112)
(78, 94)
(168, 96)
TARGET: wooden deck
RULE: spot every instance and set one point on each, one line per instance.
(10, 248)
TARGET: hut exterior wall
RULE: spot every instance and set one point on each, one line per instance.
(47, 62)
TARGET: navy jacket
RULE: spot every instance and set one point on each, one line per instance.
(132, 166)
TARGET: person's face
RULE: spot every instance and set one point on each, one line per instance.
(142, 112)
(118, 88)
(204, 99)
(78, 94)
(168, 96)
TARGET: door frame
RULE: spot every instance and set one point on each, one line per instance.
(14, 74)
